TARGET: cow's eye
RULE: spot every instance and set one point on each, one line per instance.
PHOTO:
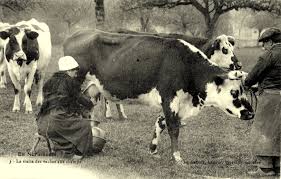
(224, 51)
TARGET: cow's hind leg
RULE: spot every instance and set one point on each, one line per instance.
(173, 125)
(107, 109)
(121, 112)
(160, 125)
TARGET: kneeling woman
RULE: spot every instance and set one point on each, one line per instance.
(60, 118)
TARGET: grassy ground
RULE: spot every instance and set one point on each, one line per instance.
(212, 144)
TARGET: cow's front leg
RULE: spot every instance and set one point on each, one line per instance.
(17, 90)
(27, 91)
(40, 76)
(173, 124)
(160, 125)
(3, 79)
(121, 112)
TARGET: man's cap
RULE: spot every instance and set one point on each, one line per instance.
(272, 33)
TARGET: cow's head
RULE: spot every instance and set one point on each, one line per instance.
(227, 93)
(220, 51)
(21, 45)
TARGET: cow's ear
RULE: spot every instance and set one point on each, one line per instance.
(4, 35)
(31, 34)
(216, 44)
(219, 79)
(231, 40)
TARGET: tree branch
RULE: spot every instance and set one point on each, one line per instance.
(199, 7)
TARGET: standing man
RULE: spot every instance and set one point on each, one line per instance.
(266, 127)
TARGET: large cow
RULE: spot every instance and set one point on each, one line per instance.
(3, 66)
(218, 50)
(27, 54)
(167, 73)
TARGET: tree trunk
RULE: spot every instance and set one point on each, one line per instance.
(100, 14)
(68, 26)
(210, 29)
(1, 14)
(144, 23)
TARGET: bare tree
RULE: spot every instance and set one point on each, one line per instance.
(16, 8)
(16, 5)
(69, 11)
(187, 18)
(262, 20)
(142, 13)
(213, 9)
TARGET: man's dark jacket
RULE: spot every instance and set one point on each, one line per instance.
(267, 71)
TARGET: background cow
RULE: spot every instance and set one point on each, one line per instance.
(167, 73)
(3, 66)
(27, 51)
(219, 50)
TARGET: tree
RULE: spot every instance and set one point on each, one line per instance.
(16, 5)
(142, 13)
(213, 9)
(69, 11)
(187, 19)
(15, 8)
(262, 20)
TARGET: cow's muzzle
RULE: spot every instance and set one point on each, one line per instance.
(20, 55)
(20, 61)
(247, 115)
(237, 65)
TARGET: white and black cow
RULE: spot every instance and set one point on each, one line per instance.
(218, 50)
(3, 66)
(167, 73)
(27, 52)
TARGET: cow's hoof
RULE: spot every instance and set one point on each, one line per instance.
(39, 104)
(16, 110)
(123, 118)
(28, 112)
(157, 156)
(181, 163)
(2, 86)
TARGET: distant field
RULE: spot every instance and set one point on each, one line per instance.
(212, 144)
(248, 56)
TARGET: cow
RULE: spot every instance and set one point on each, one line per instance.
(3, 66)
(167, 73)
(27, 53)
(218, 50)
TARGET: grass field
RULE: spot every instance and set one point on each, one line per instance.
(212, 144)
